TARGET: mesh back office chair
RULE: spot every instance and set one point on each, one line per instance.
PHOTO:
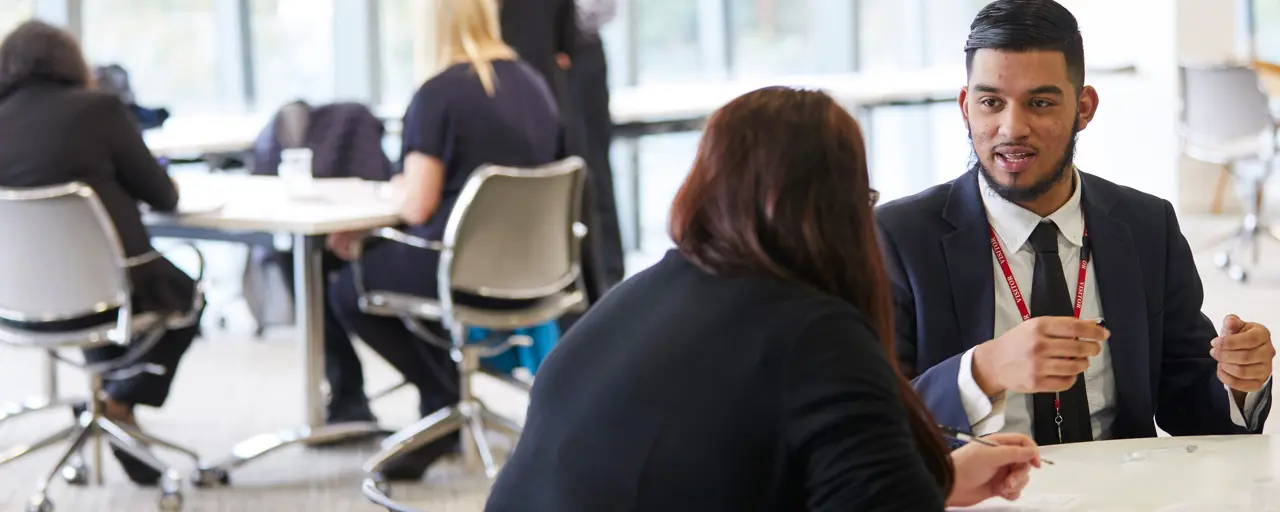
(513, 234)
(1226, 120)
(78, 273)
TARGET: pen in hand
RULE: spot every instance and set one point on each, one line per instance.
(956, 434)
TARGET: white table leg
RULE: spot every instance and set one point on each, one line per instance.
(308, 306)
(308, 252)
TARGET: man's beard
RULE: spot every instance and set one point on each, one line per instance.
(1028, 193)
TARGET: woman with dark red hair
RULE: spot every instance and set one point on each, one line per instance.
(752, 368)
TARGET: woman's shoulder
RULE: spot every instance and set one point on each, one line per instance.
(788, 302)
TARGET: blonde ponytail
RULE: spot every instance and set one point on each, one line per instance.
(468, 31)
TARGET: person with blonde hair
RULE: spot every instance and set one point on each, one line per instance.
(484, 106)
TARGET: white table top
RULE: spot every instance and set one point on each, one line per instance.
(194, 136)
(1220, 475)
(239, 203)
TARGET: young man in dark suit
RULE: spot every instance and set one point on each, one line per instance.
(1032, 297)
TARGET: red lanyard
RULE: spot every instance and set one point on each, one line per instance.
(1022, 305)
(1013, 284)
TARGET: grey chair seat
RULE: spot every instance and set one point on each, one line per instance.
(1244, 148)
(385, 303)
(98, 335)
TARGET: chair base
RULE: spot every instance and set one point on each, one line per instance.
(471, 417)
(258, 446)
(36, 404)
(1244, 244)
(92, 426)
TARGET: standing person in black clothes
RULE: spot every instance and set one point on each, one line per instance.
(53, 130)
(485, 107)
(545, 34)
(752, 369)
(589, 93)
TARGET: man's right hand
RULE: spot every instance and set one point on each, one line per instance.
(1043, 354)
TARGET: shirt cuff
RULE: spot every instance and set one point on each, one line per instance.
(1250, 411)
(986, 414)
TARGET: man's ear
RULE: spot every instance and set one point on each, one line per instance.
(1086, 106)
(964, 106)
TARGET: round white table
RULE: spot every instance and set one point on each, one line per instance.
(1164, 474)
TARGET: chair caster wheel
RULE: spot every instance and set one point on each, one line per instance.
(381, 485)
(1222, 260)
(1237, 273)
(40, 503)
(75, 473)
(171, 501)
(210, 477)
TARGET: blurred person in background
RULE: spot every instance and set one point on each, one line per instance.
(589, 93)
(56, 129)
(486, 106)
(545, 33)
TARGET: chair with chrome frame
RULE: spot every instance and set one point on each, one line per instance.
(1226, 120)
(513, 234)
(66, 290)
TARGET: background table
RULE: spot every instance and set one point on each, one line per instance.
(213, 206)
(1220, 475)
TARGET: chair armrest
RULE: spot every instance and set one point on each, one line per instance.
(405, 238)
(392, 234)
(153, 255)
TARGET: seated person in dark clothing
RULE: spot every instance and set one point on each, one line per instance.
(486, 107)
(751, 369)
(54, 129)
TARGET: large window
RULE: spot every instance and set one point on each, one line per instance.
(169, 49)
(1266, 30)
(292, 44)
(666, 41)
(13, 12)
(403, 26)
(771, 37)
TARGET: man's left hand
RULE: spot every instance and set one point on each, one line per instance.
(1244, 354)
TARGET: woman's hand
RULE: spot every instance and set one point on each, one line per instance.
(340, 244)
(984, 472)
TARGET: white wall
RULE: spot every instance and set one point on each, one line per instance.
(1132, 141)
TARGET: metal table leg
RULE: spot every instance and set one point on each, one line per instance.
(308, 277)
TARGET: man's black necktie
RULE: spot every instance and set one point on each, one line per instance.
(1050, 296)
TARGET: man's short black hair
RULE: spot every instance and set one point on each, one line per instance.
(1027, 25)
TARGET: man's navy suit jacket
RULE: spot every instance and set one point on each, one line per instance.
(938, 255)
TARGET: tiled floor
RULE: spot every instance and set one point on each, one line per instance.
(232, 386)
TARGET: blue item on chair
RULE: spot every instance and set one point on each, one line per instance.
(544, 338)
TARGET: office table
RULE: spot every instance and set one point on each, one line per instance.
(185, 137)
(215, 205)
(1219, 473)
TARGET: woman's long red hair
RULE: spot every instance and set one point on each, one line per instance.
(780, 187)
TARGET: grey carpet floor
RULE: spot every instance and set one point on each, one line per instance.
(232, 386)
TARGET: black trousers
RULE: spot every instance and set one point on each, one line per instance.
(158, 286)
(589, 93)
(390, 266)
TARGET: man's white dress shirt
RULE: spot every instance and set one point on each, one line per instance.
(1011, 411)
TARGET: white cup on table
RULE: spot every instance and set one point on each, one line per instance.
(295, 172)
